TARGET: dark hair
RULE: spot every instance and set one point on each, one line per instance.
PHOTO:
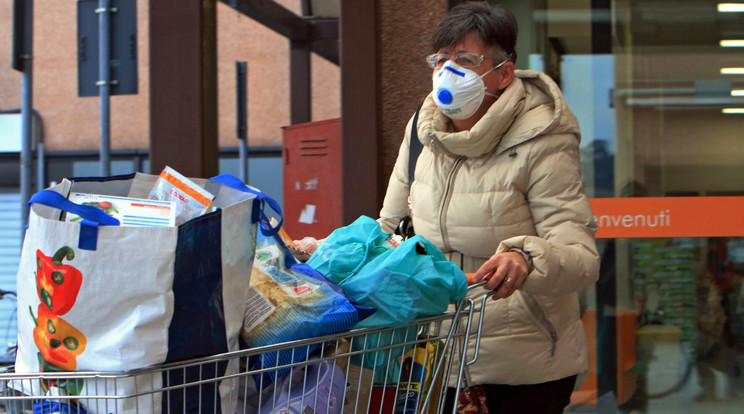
(494, 25)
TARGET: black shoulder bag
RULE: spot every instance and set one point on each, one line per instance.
(405, 227)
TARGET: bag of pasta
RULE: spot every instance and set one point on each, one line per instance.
(290, 301)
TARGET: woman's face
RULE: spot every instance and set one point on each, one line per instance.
(497, 79)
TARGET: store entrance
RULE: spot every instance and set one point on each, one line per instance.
(658, 88)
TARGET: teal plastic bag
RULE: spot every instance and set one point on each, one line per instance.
(349, 248)
(404, 283)
(411, 281)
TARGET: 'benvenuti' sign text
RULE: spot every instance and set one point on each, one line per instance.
(668, 217)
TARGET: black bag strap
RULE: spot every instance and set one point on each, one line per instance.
(405, 226)
(415, 147)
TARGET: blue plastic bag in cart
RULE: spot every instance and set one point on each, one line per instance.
(414, 276)
(53, 407)
(290, 301)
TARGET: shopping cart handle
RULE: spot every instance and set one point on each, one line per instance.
(482, 308)
(480, 326)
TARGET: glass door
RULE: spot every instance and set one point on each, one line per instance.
(658, 88)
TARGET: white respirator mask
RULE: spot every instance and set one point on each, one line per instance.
(458, 91)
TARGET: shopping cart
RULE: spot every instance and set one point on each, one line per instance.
(404, 370)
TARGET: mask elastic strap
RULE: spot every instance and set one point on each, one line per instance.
(494, 68)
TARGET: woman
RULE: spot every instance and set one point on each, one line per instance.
(497, 187)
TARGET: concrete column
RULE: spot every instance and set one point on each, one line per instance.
(384, 78)
(183, 87)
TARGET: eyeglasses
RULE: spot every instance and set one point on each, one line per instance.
(465, 60)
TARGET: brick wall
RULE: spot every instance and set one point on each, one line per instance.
(73, 123)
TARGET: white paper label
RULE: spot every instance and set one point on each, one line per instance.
(257, 309)
(307, 215)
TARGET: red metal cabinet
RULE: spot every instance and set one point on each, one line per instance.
(312, 178)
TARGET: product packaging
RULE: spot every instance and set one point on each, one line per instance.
(129, 211)
(417, 379)
(191, 199)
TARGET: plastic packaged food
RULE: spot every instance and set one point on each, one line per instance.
(191, 199)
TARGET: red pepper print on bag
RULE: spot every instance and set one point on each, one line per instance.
(59, 342)
(57, 284)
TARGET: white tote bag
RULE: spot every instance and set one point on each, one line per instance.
(96, 296)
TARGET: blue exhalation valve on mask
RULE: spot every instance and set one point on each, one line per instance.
(444, 96)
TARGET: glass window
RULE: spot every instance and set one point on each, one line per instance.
(658, 88)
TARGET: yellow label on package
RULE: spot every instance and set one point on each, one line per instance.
(416, 378)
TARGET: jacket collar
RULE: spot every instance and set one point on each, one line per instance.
(531, 105)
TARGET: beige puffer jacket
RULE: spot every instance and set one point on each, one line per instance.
(512, 181)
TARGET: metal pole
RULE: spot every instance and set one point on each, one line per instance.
(27, 115)
(38, 137)
(243, 159)
(40, 166)
(104, 83)
(241, 115)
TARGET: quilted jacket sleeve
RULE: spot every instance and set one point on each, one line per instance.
(564, 252)
(395, 205)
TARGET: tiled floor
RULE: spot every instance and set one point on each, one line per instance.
(684, 401)
(681, 402)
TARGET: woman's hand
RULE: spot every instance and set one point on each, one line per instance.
(306, 245)
(505, 273)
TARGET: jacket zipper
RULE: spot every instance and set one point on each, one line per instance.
(445, 202)
(533, 306)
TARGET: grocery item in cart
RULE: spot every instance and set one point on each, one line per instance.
(129, 211)
(349, 248)
(315, 388)
(191, 200)
(290, 301)
(409, 282)
(417, 378)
